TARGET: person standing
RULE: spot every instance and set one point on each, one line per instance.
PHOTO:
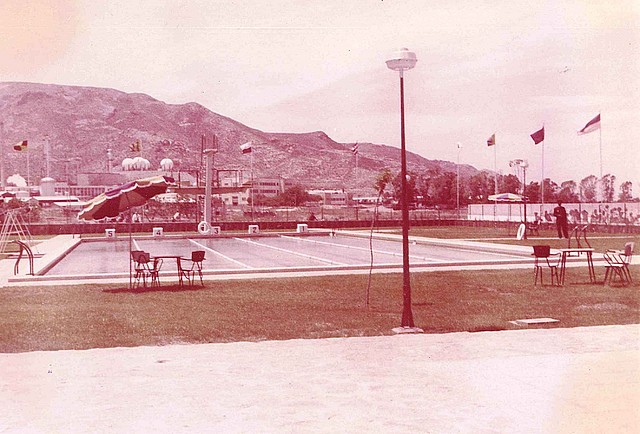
(560, 213)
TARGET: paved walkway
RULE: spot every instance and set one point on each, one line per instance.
(580, 380)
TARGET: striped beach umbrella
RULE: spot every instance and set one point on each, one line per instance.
(125, 197)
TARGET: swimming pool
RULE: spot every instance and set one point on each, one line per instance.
(286, 252)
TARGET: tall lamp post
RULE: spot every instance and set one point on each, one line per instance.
(520, 164)
(404, 60)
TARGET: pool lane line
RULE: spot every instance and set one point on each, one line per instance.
(444, 246)
(291, 252)
(135, 243)
(365, 249)
(223, 256)
(509, 250)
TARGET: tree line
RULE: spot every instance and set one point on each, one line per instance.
(437, 187)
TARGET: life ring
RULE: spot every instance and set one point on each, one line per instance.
(204, 228)
(521, 229)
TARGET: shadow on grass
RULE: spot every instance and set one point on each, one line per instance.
(486, 328)
(143, 290)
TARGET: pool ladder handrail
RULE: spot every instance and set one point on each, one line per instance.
(23, 248)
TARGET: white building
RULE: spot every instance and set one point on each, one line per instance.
(333, 197)
(266, 187)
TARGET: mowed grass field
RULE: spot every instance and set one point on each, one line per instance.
(97, 316)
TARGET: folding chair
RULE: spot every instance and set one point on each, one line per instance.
(618, 262)
(196, 267)
(139, 266)
(153, 269)
(145, 268)
(541, 253)
(615, 267)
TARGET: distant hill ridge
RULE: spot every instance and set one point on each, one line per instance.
(81, 123)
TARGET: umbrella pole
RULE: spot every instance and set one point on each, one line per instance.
(112, 198)
(130, 245)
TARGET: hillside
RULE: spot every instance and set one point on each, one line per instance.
(81, 123)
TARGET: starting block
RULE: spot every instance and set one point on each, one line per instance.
(302, 228)
(158, 232)
(110, 233)
(254, 229)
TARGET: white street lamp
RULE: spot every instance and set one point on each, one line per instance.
(401, 61)
(520, 164)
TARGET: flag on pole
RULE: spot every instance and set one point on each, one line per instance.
(354, 150)
(538, 136)
(491, 141)
(135, 146)
(246, 148)
(592, 125)
(20, 146)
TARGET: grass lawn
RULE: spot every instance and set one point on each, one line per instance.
(96, 316)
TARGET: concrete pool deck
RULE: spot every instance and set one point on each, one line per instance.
(584, 380)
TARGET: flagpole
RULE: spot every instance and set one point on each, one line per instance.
(600, 133)
(495, 181)
(542, 183)
(252, 186)
(2, 151)
(356, 164)
(28, 175)
(356, 152)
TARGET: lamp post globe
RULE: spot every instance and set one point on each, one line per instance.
(401, 61)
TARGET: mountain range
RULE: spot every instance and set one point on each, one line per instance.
(78, 125)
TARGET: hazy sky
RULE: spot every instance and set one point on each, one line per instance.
(296, 66)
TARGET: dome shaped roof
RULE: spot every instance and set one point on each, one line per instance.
(166, 164)
(127, 164)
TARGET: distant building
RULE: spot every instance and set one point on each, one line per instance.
(101, 178)
(90, 185)
(265, 187)
(333, 197)
(269, 187)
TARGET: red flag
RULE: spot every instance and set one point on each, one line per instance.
(135, 146)
(20, 146)
(538, 136)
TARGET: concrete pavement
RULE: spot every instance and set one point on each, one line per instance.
(580, 380)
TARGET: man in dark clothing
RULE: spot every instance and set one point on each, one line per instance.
(560, 213)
